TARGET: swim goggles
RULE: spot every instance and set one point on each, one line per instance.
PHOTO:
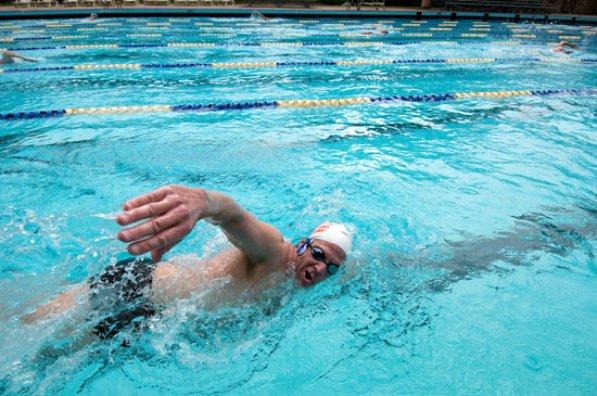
(317, 254)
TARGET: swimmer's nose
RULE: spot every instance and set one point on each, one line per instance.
(317, 272)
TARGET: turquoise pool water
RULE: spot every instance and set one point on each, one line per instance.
(473, 268)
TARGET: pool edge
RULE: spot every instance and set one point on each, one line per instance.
(287, 12)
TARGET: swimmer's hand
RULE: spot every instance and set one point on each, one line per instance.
(171, 214)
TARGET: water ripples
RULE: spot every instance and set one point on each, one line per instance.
(473, 214)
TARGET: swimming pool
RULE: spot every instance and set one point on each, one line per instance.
(473, 268)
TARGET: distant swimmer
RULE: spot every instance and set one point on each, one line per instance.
(260, 258)
(90, 18)
(9, 57)
(256, 15)
(379, 30)
(565, 47)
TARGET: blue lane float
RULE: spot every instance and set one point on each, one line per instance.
(299, 103)
(25, 115)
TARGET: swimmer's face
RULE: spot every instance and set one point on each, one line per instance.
(310, 269)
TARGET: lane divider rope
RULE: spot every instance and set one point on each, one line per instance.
(272, 64)
(264, 44)
(298, 103)
(395, 34)
(345, 25)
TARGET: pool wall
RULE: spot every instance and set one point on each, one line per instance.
(289, 13)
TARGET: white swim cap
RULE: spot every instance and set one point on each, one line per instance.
(335, 233)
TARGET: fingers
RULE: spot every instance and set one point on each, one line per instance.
(171, 212)
(154, 196)
(178, 215)
(152, 209)
(171, 236)
(156, 255)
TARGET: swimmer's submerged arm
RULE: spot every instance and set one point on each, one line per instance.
(19, 56)
(60, 304)
(26, 59)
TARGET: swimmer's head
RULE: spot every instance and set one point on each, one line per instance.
(322, 254)
(335, 233)
(565, 46)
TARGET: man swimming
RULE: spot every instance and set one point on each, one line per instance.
(90, 18)
(379, 30)
(9, 57)
(157, 221)
(256, 15)
(565, 47)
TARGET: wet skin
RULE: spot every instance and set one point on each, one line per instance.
(309, 271)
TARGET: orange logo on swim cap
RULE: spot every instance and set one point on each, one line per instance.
(322, 227)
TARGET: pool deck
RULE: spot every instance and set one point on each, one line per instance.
(315, 10)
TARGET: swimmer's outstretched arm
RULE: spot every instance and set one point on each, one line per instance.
(171, 213)
(19, 56)
(64, 302)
